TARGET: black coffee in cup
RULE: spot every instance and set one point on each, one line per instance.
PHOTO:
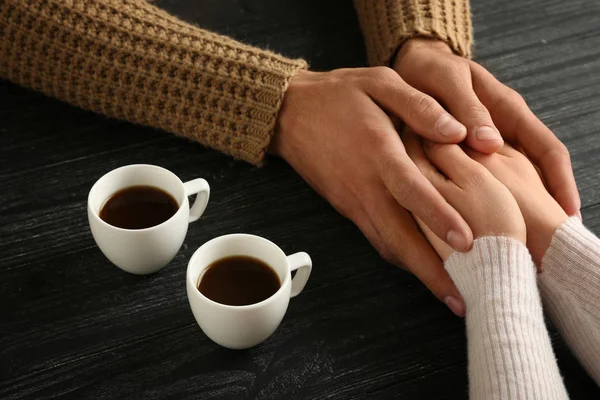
(239, 281)
(138, 207)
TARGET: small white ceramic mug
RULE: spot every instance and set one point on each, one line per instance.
(241, 327)
(143, 251)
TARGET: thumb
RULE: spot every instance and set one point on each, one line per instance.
(482, 134)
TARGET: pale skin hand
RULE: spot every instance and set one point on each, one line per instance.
(333, 130)
(486, 106)
(543, 215)
(486, 204)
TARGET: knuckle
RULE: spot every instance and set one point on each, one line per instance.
(391, 163)
(404, 188)
(563, 152)
(559, 155)
(479, 176)
(389, 249)
(388, 255)
(477, 110)
(384, 74)
(420, 105)
(373, 132)
(514, 97)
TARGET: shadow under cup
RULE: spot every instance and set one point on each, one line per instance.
(239, 327)
(139, 251)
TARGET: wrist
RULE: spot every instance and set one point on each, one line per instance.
(287, 116)
(420, 43)
(541, 233)
(494, 262)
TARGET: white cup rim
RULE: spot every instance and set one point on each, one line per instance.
(102, 222)
(229, 237)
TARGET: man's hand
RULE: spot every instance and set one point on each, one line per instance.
(333, 130)
(486, 106)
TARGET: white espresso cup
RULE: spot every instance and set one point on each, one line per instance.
(241, 327)
(143, 251)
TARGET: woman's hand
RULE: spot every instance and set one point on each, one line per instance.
(484, 106)
(542, 213)
(483, 201)
(333, 130)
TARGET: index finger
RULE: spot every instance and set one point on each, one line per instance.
(407, 246)
(413, 191)
(418, 110)
(517, 123)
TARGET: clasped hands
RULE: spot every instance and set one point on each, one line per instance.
(336, 130)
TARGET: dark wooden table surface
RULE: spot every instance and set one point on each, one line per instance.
(74, 326)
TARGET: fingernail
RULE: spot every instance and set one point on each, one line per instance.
(457, 240)
(456, 306)
(579, 215)
(487, 134)
(448, 126)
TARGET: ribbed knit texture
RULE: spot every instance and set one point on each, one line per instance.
(570, 287)
(509, 350)
(127, 59)
(387, 24)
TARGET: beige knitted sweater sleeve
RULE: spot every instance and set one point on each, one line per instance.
(130, 60)
(387, 24)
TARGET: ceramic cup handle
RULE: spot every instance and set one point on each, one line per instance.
(301, 262)
(200, 188)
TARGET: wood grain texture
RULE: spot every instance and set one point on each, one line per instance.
(73, 326)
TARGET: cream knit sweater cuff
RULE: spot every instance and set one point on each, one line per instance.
(509, 350)
(570, 287)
